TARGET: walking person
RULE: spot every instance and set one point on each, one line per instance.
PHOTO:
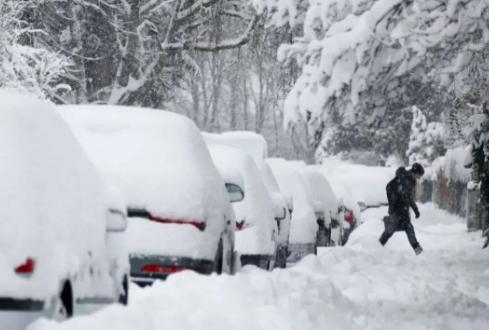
(401, 194)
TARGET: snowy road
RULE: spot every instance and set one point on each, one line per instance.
(360, 286)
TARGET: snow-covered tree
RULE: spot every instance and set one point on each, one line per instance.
(23, 64)
(356, 55)
(135, 51)
(427, 139)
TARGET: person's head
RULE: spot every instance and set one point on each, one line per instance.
(417, 170)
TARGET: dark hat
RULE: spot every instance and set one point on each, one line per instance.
(417, 168)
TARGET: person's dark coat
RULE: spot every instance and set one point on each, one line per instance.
(401, 196)
(401, 192)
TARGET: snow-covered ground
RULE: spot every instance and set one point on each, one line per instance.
(359, 286)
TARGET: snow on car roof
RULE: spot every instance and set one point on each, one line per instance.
(255, 146)
(359, 182)
(251, 143)
(303, 226)
(54, 202)
(256, 208)
(158, 159)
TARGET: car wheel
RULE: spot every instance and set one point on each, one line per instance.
(62, 308)
(278, 258)
(218, 261)
(124, 296)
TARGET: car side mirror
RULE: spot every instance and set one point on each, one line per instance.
(236, 194)
(279, 212)
(116, 221)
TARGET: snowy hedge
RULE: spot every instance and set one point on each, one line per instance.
(446, 182)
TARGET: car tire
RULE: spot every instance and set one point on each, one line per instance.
(219, 260)
(281, 257)
(124, 296)
(62, 308)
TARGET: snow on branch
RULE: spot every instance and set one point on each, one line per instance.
(353, 53)
(230, 43)
(24, 66)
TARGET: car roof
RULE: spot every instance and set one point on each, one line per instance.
(158, 159)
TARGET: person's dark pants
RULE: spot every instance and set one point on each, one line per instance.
(399, 223)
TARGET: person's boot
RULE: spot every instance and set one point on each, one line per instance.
(418, 250)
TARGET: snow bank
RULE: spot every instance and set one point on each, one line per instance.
(255, 299)
(303, 226)
(452, 165)
(256, 209)
(159, 161)
(359, 286)
(54, 202)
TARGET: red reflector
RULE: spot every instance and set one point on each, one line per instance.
(26, 268)
(349, 216)
(161, 269)
(199, 225)
(240, 225)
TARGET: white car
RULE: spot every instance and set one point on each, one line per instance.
(256, 230)
(251, 143)
(357, 187)
(255, 145)
(283, 208)
(61, 248)
(180, 217)
(304, 227)
(326, 207)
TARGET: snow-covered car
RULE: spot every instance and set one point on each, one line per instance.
(304, 227)
(282, 210)
(61, 242)
(256, 230)
(255, 145)
(248, 142)
(326, 207)
(180, 216)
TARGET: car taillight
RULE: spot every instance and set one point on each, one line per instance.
(240, 225)
(161, 269)
(197, 224)
(349, 217)
(27, 267)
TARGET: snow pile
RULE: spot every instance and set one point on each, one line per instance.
(251, 143)
(54, 202)
(451, 165)
(254, 299)
(256, 208)
(359, 286)
(159, 161)
(303, 226)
